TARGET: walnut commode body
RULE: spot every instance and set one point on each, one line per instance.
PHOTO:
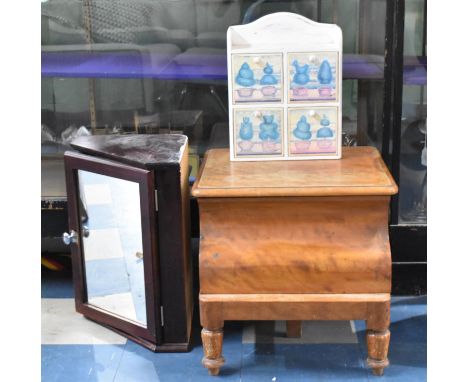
(305, 240)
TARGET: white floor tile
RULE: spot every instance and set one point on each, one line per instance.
(62, 325)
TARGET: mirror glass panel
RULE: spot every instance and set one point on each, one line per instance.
(112, 245)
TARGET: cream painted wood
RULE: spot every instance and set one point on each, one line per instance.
(284, 33)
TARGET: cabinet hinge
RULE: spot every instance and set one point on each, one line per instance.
(156, 200)
(162, 315)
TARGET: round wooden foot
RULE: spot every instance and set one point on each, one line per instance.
(378, 371)
(213, 365)
(212, 346)
(377, 348)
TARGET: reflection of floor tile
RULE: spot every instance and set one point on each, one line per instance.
(324, 362)
(121, 304)
(139, 364)
(62, 325)
(102, 244)
(73, 363)
(105, 277)
(313, 332)
(97, 194)
(131, 242)
(101, 216)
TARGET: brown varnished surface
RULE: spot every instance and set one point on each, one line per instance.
(216, 308)
(296, 240)
(294, 245)
(303, 298)
(373, 307)
(361, 171)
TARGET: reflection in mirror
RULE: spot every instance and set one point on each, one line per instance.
(112, 245)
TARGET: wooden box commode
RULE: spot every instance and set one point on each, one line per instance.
(302, 240)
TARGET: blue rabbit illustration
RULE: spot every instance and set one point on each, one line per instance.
(302, 130)
(301, 77)
(245, 77)
(268, 78)
(268, 129)
(246, 129)
(325, 131)
(325, 75)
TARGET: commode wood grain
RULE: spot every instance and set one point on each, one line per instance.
(295, 241)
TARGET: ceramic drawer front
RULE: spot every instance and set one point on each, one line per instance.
(257, 78)
(258, 132)
(312, 131)
(312, 77)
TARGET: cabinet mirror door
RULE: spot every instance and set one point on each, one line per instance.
(112, 234)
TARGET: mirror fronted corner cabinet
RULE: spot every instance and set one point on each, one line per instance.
(129, 231)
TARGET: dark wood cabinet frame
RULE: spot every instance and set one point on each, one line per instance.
(149, 336)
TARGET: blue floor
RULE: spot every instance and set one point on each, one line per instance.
(75, 349)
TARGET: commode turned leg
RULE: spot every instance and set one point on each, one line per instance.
(378, 337)
(212, 336)
(377, 349)
(212, 349)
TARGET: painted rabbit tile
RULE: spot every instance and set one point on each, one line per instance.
(312, 76)
(257, 78)
(258, 132)
(312, 131)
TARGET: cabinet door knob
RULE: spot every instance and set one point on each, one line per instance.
(70, 238)
(85, 231)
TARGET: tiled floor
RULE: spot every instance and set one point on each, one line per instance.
(75, 349)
